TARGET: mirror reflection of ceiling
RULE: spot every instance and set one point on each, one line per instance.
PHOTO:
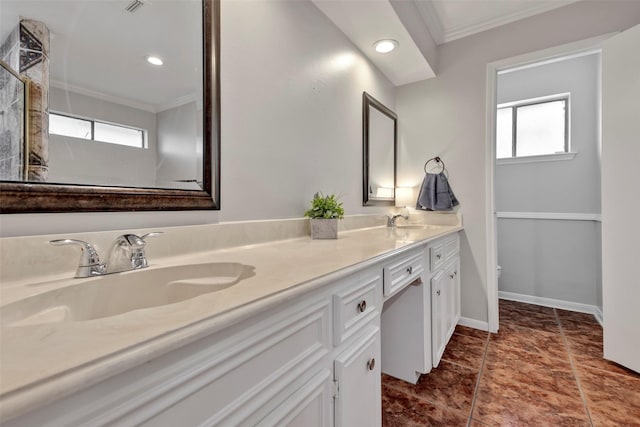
(98, 46)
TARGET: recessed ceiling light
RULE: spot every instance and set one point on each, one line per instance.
(385, 45)
(154, 60)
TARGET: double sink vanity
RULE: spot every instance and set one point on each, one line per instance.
(231, 324)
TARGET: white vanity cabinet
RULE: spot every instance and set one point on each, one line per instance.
(445, 292)
(313, 362)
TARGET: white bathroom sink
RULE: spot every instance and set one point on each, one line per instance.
(110, 295)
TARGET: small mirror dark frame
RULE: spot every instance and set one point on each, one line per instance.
(370, 102)
(26, 197)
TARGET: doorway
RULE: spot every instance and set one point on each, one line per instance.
(525, 64)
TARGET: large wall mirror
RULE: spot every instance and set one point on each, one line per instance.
(379, 148)
(123, 105)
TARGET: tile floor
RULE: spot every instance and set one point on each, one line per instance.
(543, 368)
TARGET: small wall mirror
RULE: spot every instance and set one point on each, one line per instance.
(379, 148)
(124, 114)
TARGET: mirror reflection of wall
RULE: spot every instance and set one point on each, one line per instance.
(101, 89)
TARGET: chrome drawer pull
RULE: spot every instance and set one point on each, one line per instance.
(371, 364)
(438, 256)
(451, 276)
(362, 306)
(438, 292)
(410, 270)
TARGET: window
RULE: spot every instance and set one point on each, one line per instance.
(533, 127)
(77, 127)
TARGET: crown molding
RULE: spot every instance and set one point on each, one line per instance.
(103, 96)
(461, 31)
(429, 14)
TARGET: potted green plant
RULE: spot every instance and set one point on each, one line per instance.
(324, 215)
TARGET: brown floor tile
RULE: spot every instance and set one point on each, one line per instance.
(529, 406)
(400, 409)
(613, 400)
(515, 305)
(449, 385)
(529, 319)
(476, 423)
(465, 350)
(470, 332)
(539, 342)
(530, 374)
(589, 353)
(514, 356)
(581, 330)
(526, 377)
(576, 316)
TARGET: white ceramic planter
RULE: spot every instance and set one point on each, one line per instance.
(324, 228)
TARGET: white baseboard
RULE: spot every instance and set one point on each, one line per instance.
(554, 303)
(599, 316)
(473, 323)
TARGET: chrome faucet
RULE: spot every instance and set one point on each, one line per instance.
(89, 264)
(126, 253)
(391, 220)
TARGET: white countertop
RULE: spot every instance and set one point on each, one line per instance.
(42, 363)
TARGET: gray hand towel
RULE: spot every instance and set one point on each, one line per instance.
(436, 194)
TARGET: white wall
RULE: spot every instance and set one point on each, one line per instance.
(292, 88)
(73, 160)
(555, 259)
(446, 116)
(178, 139)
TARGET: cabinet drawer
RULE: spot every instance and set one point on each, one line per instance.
(355, 304)
(402, 271)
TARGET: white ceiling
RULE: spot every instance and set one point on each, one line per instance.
(366, 21)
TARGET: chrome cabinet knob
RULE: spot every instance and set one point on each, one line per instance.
(438, 256)
(371, 364)
(362, 306)
(410, 269)
(438, 292)
(451, 276)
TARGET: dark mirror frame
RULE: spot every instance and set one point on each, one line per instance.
(370, 102)
(27, 197)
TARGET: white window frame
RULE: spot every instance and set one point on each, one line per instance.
(567, 154)
(144, 143)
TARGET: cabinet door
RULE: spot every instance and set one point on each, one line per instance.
(451, 296)
(438, 316)
(456, 292)
(357, 373)
(307, 406)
